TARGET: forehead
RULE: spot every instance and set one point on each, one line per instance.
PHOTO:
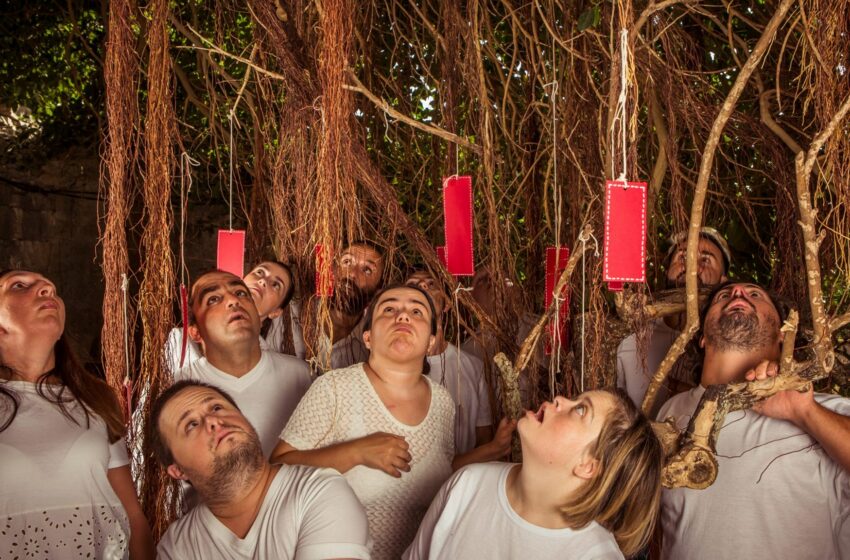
(420, 275)
(705, 246)
(272, 268)
(406, 295)
(363, 253)
(746, 286)
(217, 279)
(186, 399)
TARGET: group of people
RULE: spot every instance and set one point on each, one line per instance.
(392, 452)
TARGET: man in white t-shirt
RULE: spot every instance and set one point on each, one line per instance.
(782, 488)
(463, 375)
(248, 508)
(633, 376)
(358, 275)
(224, 321)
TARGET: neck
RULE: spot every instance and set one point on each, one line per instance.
(28, 360)
(235, 359)
(393, 374)
(440, 343)
(531, 491)
(730, 366)
(343, 323)
(238, 509)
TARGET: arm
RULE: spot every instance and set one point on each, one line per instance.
(141, 543)
(830, 429)
(493, 450)
(382, 451)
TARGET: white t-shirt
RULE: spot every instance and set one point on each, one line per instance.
(266, 395)
(472, 518)
(463, 375)
(341, 406)
(307, 513)
(631, 375)
(55, 499)
(277, 331)
(777, 493)
(344, 352)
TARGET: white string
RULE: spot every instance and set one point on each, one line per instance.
(456, 299)
(125, 285)
(583, 238)
(620, 113)
(186, 163)
(555, 361)
(230, 184)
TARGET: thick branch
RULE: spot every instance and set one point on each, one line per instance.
(692, 323)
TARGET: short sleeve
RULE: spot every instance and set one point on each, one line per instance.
(118, 454)
(420, 548)
(313, 423)
(174, 347)
(333, 522)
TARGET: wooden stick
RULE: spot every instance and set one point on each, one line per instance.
(692, 323)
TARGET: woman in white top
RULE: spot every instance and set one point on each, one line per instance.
(65, 485)
(272, 286)
(383, 424)
(588, 487)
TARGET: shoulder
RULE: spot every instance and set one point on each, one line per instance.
(439, 392)
(628, 344)
(180, 535)
(196, 370)
(477, 475)
(284, 361)
(470, 362)
(600, 543)
(681, 405)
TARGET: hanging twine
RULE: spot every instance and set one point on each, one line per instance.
(584, 238)
(620, 112)
(186, 163)
(230, 172)
(128, 384)
(456, 302)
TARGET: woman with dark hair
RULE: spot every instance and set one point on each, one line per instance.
(382, 423)
(65, 484)
(588, 487)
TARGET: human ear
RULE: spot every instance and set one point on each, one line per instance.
(176, 472)
(367, 339)
(275, 314)
(194, 333)
(587, 469)
(702, 342)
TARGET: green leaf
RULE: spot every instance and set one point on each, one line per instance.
(589, 18)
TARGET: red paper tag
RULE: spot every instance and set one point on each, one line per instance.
(556, 262)
(625, 232)
(324, 272)
(184, 315)
(457, 210)
(441, 254)
(615, 286)
(230, 256)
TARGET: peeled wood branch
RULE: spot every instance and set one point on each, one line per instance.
(430, 129)
(692, 323)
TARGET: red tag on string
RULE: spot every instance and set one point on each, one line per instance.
(457, 211)
(324, 273)
(556, 262)
(625, 233)
(184, 315)
(441, 255)
(230, 256)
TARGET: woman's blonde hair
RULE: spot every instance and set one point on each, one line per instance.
(625, 493)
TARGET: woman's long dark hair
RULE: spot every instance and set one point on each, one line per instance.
(92, 394)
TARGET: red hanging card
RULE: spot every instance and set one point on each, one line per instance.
(230, 256)
(457, 210)
(556, 262)
(625, 233)
(441, 255)
(324, 272)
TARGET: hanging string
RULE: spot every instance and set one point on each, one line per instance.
(456, 301)
(620, 112)
(186, 163)
(583, 238)
(230, 165)
(128, 384)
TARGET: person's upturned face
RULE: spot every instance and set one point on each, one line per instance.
(224, 310)
(560, 432)
(709, 265)
(268, 283)
(741, 317)
(401, 326)
(29, 305)
(425, 281)
(357, 277)
(210, 440)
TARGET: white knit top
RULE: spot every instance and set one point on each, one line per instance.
(341, 406)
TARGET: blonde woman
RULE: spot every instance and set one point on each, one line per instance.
(383, 424)
(65, 485)
(588, 487)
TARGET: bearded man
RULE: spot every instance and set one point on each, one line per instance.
(783, 487)
(248, 508)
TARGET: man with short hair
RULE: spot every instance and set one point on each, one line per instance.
(358, 275)
(463, 375)
(783, 487)
(267, 385)
(248, 508)
(713, 259)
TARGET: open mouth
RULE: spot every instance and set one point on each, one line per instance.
(222, 435)
(239, 316)
(738, 304)
(540, 414)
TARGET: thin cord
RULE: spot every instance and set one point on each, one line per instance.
(230, 185)
(186, 163)
(583, 238)
(457, 333)
(620, 112)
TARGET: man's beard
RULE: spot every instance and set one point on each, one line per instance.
(229, 470)
(740, 331)
(349, 298)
